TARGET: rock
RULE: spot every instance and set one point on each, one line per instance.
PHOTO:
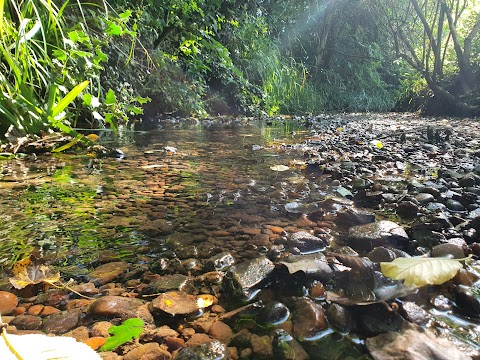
(261, 346)
(306, 243)
(221, 261)
(8, 302)
(80, 334)
(381, 254)
(274, 313)
(308, 320)
(244, 276)
(100, 329)
(169, 283)
(110, 355)
(35, 309)
(157, 227)
(424, 198)
(115, 306)
(61, 323)
(380, 233)
(213, 350)
(314, 265)
(340, 317)
(107, 272)
(441, 303)
(27, 322)
(351, 216)
(221, 331)
(86, 288)
(174, 303)
(454, 205)
(407, 209)
(149, 351)
(468, 303)
(467, 180)
(414, 313)
(414, 343)
(448, 250)
(286, 347)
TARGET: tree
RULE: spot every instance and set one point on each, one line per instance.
(426, 34)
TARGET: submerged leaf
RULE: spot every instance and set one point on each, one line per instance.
(129, 330)
(279, 168)
(419, 271)
(32, 270)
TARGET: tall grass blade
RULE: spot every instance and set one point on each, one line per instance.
(69, 98)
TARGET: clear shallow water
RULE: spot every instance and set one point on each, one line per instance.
(205, 183)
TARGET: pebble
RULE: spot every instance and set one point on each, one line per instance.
(27, 322)
(107, 272)
(8, 302)
(115, 306)
(61, 323)
(100, 329)
(149, 351)
(309, 319)
(221, 331)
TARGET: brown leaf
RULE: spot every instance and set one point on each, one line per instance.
(32, 270)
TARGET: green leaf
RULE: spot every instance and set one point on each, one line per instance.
(129, 330)
(110, 98)
(142, 100)
(69, 98)
(114, 29)
(420, 271)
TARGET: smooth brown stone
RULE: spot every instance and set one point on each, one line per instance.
(61, 323)
(151, 351)
(221, 331)
(113, 306)
(26, 322)
(100, 329)
(80, 334)
(8, 302)
(50, 310)
(107, 272)
(35, 310)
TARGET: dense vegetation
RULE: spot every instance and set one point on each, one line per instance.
(98, 63)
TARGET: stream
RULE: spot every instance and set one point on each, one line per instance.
(284, 222)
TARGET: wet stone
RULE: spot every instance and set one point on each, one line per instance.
(351, 216)
(407, 209)
(454, 205)
(8, 302)
(212, 350)
(380, 233)
(414, 313)
(61, 323)
(413, 343)
(308, 320)
(115, 306)
(247, 274)
(168, 283)
(306, 243)
(261, 346)
(314, 265)
(151, 350)
(468, 303)
(157, 227)
(424, 198)
(285, 347)
(382, 254)
(221, 261)
(27, 322)
(274, 313)
(174, 303)
(340, 317)
(107, 272)
(221, 331)
(449, 250)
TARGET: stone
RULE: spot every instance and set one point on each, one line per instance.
(340, 317)
(261, 346)
(115, 306)
(350, 216)
(169, 283)
(221, 261)
(454, 205)
(246, 275)
(414, 313)
(108, 272)
(27, 322)
(424, 198)
(274, 313)
(61, 323)
(157, 227)
(149, 351)
(413, 343)
(213, 350)
(308, 320)
(221, 331)
(86, 288)
(285, 347)
(314, 265)
(448, 250)
(50, 310)
(174, 303)
(100, 329)
(379, 233)
(80, 334)
(35, 309)
(110, 355)
(306, 243)
(468, 303)
(8, 302)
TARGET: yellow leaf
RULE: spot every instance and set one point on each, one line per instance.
(32, 270)
(92, 137)
(377, 143)
(420, 271)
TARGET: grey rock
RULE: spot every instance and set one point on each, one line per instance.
(351, 216)
(468, 303)
(213, 350)
(61, 323)
(221, 261)
(273, 313)
(454, 205)
(413, 343)
(314, 265)
(307, 243)
(380, 233)
(169, 283)
(244, 276)
(449, 250)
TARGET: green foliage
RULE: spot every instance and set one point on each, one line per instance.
(129, 330)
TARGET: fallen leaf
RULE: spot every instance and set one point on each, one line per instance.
(92, 137)
(420, 271)
(279, 168)
(32, 270)
(129, 330)
(377, 143)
